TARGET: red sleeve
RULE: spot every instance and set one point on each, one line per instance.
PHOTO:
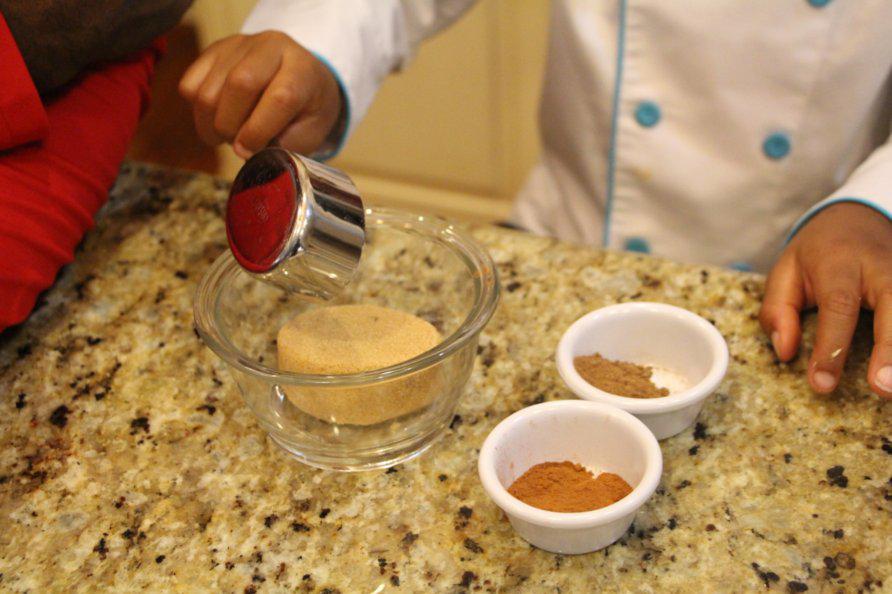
(49, 191)
(22, 118)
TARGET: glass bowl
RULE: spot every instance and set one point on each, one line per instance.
(417, 264)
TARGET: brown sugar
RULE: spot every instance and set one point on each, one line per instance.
(618, 377)
(568, 487)
(346, 339)
(352, 338)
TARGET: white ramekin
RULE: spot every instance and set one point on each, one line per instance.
(649, 334)
(601, 438)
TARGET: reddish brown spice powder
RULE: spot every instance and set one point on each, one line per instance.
(618, 377)
(568, 487)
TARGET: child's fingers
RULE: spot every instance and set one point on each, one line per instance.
(303, 135)
(784, 299)
(204, 125)
(208, 96)
(279, 105)
(243, 87)
(196, 73)
(838, 297)
(879, 373)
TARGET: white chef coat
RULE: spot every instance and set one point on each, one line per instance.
(701, 130)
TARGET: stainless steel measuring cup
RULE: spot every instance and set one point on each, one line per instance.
(296, 223)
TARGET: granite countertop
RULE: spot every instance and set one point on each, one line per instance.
(128, 460)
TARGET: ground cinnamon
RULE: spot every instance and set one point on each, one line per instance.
(568, 487)
(618, 377)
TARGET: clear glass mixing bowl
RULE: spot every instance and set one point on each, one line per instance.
(417, 264)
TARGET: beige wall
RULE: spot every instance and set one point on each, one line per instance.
(455, 132)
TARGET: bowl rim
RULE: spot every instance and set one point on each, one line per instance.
(691, 396)
(629, 504)
(466, 248)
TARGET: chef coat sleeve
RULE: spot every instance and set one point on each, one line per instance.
(870, 184)
(22, 117)
(360, 41)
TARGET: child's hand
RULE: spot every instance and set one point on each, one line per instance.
(251, 89)
(840, 261)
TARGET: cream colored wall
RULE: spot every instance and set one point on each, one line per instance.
(218, 18)
(455, 132)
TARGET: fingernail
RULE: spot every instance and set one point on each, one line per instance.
(775, 342)
(824, 381)
(884, 378)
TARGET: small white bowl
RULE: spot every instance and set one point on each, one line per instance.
(601, 438)
(664, 336)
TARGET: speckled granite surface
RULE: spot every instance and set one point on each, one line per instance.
(128, 461)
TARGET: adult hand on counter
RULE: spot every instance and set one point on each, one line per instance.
(839, 262)
(251, 89)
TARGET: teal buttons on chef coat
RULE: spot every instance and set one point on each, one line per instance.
(741, 266)
(819, 3)
(776, 146)
(637, 244)
(647, 114)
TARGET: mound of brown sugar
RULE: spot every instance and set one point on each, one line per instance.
(345, 339)
(568, 487)
(618, 377)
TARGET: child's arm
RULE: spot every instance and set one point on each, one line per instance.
(840, 260)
